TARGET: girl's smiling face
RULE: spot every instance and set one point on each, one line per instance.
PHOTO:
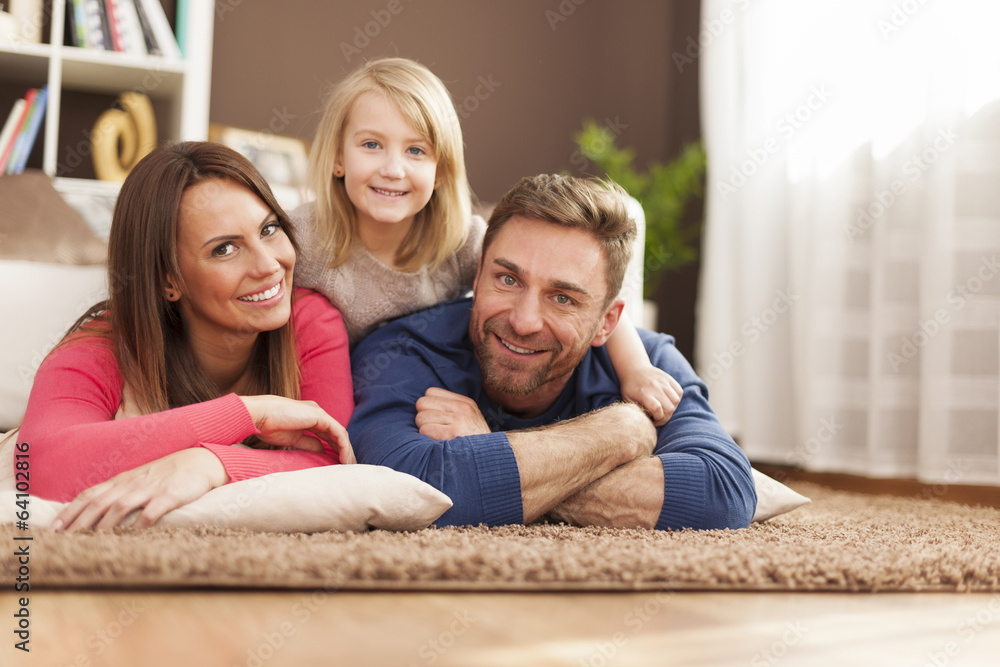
(389, 168)
(235, 262)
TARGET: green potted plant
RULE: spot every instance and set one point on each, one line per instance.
(665, 192)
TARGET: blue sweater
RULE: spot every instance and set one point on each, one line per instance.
(707, 481)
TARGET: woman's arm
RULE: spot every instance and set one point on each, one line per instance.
(183, 476)
(157, 487)
(77, 442)
(641, 382)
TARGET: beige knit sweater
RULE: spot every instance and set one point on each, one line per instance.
(367, 292)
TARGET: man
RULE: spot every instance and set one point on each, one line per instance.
(508, 403)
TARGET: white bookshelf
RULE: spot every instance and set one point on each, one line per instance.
(180, 88)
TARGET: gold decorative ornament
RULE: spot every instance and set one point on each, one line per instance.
(123, 136)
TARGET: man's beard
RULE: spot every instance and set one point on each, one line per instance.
(505, 375)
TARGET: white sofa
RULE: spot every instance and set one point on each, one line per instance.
(40, 302)
(41, 299)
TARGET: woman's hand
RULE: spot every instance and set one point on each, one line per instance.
(653, 389)
(156, 488)
(283, 421)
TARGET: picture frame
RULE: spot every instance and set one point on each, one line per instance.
(281, 160)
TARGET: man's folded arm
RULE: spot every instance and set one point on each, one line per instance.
(630, 496)
(697, 489)
(698, 477)
(500, 478)
(559, 460)
(479, 472)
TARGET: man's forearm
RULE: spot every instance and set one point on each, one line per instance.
(630, 496)
(559, 460)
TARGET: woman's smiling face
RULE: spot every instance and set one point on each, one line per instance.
(236, 263)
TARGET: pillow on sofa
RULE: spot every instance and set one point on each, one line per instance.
(40, 302)
(330, 498)
(38, 225)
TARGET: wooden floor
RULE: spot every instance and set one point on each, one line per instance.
(967, 494)
(301, 629)
(138, 629)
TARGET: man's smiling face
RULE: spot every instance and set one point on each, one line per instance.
(539, 305)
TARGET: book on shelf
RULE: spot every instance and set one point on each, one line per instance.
(104, 20)
(147, 30)
(182, 21)
(25, 139)
(93, 25)
(10, 130)
(129, 28)
(76, 23)
(24, 109)
(137, 27)
(160, 26)
(113, 32)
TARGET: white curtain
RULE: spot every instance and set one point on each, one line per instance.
(849, 312)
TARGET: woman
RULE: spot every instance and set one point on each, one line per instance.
(201, 344)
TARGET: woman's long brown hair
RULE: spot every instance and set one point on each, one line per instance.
(147, 331)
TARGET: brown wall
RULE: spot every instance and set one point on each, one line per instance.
(549, 65)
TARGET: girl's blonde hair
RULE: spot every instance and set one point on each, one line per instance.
(439, 229)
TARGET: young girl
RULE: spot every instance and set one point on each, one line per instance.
(201, 344)
(391, 231)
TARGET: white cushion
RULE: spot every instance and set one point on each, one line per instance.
(39, 301)
(339, 498)
(329, 498)
(773, 497)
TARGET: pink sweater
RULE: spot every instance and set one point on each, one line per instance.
(76, 442)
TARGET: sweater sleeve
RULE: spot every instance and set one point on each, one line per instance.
(392, 369)
(707, 482)
(479, 473)
(75, 440)
(324, 356)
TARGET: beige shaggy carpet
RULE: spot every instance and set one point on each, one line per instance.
(840, 542)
